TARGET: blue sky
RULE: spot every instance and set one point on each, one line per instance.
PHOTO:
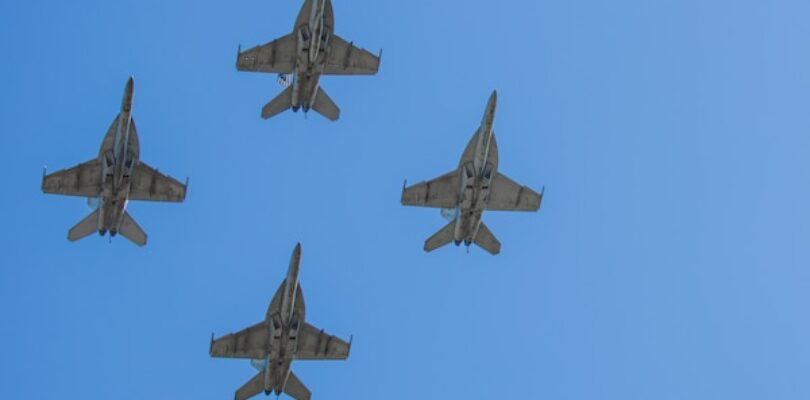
(669, 261)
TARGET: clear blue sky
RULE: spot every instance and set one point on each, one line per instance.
(669, 261)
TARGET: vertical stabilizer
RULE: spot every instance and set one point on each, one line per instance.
(85, 227)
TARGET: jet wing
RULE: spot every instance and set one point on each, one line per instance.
(314, 344)
(441, 192)
(506, 195)
(278, 56)
(82, 180)
(345, 59)
(250, 343)
(149, 184)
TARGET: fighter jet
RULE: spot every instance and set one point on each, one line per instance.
(282, 337)
(111, 179)
(311, 50)
(476, 185)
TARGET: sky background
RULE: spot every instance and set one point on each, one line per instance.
(669, 260)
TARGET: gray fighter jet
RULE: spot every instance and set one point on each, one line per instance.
(114, 177)
(311, 50)
(476, 185)
(282, 337)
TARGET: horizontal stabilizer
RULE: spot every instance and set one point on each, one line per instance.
(325, 106)
(253, 387)
(295, 389)
(281, 103)
(84, 228)
(130, 230)
(487, 240)
(442, 237)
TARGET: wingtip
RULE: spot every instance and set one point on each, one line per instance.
(402, 195)
(540, 202)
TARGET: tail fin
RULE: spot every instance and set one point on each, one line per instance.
(252, 387)
(84, 228)
(281, 103)
(442, 237)
(295, 389)
(325, 106)
(130, 230)
(487, 240)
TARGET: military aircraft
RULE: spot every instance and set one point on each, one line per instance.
(476, 185)
(311, 50)
(113, 178)
(282, 337)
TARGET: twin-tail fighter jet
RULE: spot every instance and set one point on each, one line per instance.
(282, 337)
(476, 185)
(311, 50)
(113, 178)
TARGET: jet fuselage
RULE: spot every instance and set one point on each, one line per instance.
(119, 154)
(313, 28)
(477, 167)
(284, 318)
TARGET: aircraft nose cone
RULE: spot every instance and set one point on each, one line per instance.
(295, 261)
(493, 102)
(126, 103)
